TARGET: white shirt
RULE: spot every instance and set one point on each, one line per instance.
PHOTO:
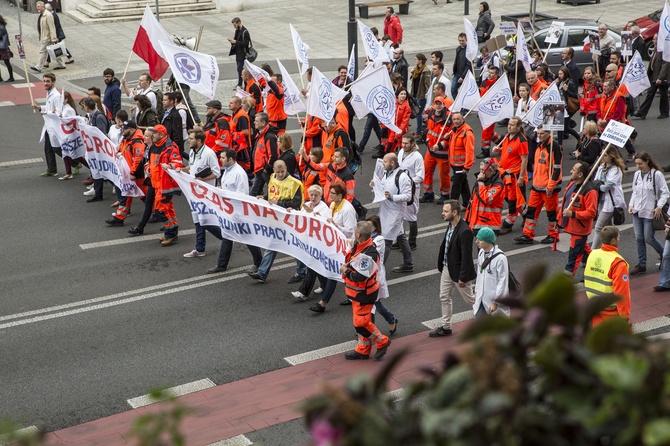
(391, 211)
(519, 108)
(492, 281)
(115, 134)
(68, 112)
(345, 218)
(52, 105)
(642, 200)
(413, 164)
(148, 93)
(204, 158)
(321, 209)
(612, 177)
(235, 179)
(183, 112)
(380, 244)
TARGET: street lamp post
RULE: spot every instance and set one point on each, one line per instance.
(351, 34)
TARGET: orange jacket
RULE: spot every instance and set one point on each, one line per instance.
(314, 134)
(255, 91)
(402, 117)
(589, 101)
(333, 141)
(547, 173)
(487, 204)
(535, 89)
(342, 116)
(620, 287)
(612, 107)
(275, 103)
(357, 286)
(241, 142)
(217, 133)
(266, 151)
(311, 176)
(436, 127)
(164, 152)
(462, 147)
(584, 207)
(511, 151)
(132, 150)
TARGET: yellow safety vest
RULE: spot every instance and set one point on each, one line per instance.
(596, 275)
(283, 190)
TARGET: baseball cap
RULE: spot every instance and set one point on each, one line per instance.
(214, 104)
(130, 124)
(438, 99)
(160, 128)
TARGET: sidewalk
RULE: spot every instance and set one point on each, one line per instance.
(265, 400)
(322, 24)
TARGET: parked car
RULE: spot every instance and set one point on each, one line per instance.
(649, 25)
(573, 35)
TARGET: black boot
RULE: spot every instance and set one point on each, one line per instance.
(427, 197)
(442, 199)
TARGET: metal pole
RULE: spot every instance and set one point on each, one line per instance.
(533, 10)
(158, 17)
(352, 36)
(466, 7)
(18, 10)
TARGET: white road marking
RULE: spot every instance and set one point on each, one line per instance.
(26, 431)
(240, 440)
(130, 239)
(321, 353)
(24, 85)
(455, 318)
(172, 392)
(6, 103)
(18, 162)
(651, 324)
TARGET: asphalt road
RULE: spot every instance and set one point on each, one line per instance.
(155, 318)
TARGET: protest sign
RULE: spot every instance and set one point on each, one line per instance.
(617, 133)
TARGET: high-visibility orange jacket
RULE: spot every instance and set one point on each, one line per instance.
(589, 100)
(314, 134)
(336, 138)
(487, 204)
(132, 150)
(240, 123)
(618, 273)
(164, 152)
(436, 127)
(547, 173)
(535, 89)
(612, 107)
(217, 133)
(584, 207)
(511, 151)
(255, 91)
(335, 174)
(275, 103)
(462, 147)
(266, 151)
(342, 116)
(357, 286)
(311, 176)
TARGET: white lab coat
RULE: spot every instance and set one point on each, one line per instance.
(381, 272)
(413, 164)
(391, 211)
(52, 105)
(492, 282)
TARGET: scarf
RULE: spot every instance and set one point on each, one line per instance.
(416, 71)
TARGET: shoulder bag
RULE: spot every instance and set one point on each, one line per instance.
(251, 53)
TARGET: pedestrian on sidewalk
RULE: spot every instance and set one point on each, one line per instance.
(239, 45)
(5, 51)
(46, 29)
(664, 278)
(60, 34)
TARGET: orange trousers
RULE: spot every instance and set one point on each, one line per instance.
(535, 203)
(367, 331)
(164, 208)
(429, 163)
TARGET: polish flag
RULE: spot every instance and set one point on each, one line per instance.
(147, 47)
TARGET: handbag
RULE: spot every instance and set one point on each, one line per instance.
(573, 105)
(57, 50)
(618, 215)
(659, 224)
(250, 53)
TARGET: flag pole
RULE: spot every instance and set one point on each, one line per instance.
(299, 72)
(588, 177)
(197, 43)
(546, 53)
(30, 90)
(127, 64)
(183, 97)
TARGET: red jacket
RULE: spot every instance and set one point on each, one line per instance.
(589, 101)
(393, 28)
(616, 111)
(266, 151)
(585, 208)
(164, 152)
(132, 150)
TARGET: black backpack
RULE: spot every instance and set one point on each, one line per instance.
(397, 185)
(414, 106)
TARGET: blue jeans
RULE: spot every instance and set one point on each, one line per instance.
(384, 312)
(644, 234)
(419, 116)
(266, 263)
(300, 268)
(370, 124)
(455, 85)
(664, 278)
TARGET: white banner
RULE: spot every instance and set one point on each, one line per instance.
(256, 73)
(507, 28)
(198, 70)
(617, 133)
(323, 96)
(534, 115)
(377, 92)
(351, 66)
(471, 50)
(241, 93)
(468, 94)
(301, 50)
(292, 103)
(663, 43)
(100, 152)
(522, 53)
(373, 50)
(447, 89)
(635, 76)
(497, 103)
(245, 219)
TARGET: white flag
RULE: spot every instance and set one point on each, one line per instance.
(377, 93)
(447, 89)
(471, 49)
(534, 115)
(256, 73)
(323, 96)
(241, 93)
(522, 53)
(497, 103)
(292, 103)
(199, 71)
(663, 45)
(468, 94)
(373, 50)
(635, 76)
(301, 50)
(351, 67)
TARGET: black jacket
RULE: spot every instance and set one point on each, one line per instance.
(638, 45)
(400, 66)
(239, 48)
(459, 256)
(575, 74)
(173, 124)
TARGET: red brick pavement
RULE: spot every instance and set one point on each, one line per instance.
(261, 401)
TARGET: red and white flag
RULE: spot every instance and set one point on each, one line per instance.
(147, 44)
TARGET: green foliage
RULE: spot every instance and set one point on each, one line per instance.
(162, 427)
(543, 376)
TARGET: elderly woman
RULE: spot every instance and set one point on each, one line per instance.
(343, 217)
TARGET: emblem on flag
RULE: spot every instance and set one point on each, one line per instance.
(188, 67)
(496, 103)
(371, 42)
(382, 100)
(326, 97)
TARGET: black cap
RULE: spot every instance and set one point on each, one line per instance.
(214, 104)
(130, 124)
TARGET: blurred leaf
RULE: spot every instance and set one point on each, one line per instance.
(513, 302)
(657, 432)
(450, 387)
(549, 355)
(594, 306)
(392, 362)
(492, 325)
(575, 401)
(533, 276)
(495, 402)
(556, 297)
(604, 337)
(625, 372)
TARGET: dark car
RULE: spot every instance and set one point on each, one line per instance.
(648, 27)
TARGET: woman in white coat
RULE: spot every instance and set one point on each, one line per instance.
(410, 159)
(492, 276)
(608, 179)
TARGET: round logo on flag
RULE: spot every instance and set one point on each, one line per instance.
(188, 67)
(325, 91)
(371, 43)
(666, 25)
(381, 101)
(493, 106)
(302, 50)
(636, 71)
(472, 89)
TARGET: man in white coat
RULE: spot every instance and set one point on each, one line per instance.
(398, 191)
(54, 103)
(410, 159)
(492, 275)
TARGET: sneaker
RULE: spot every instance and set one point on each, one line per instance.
(394, 329)
(660, 289)
(194, 253)
(298, 295)
(412, 246)
(114, 222)
(427, 198)
(395, 245)
(523, 240)
(252, 270)
(403, 269)
(318, 290)
(442, 199)
(135, 231)
(345, 302)
(505, 230)
(256, 276)
(548, 240)
(93, 199)
(216, 269)
(440, 332)
(353, 355)
(382, 351)
(90, 192)
(65, 177)
(638, 270)
(170, 241)
(39, 70)
(76, 169)
(296, 278)
(48, 174)
(317, 308)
